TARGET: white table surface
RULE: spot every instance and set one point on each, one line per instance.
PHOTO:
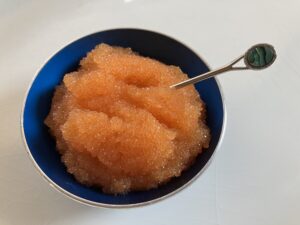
(254, 178)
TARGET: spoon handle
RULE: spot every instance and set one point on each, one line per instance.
(210, 74)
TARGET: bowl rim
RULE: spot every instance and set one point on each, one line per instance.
(106, 205)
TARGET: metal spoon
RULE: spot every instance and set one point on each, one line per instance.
(257, 57)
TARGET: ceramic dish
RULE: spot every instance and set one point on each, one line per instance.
(41, 146)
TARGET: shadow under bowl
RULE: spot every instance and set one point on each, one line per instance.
(41, 146)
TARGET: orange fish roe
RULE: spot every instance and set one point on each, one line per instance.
(118, 126)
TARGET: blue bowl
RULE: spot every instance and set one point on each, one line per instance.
(41, 146)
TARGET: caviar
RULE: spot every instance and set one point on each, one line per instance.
(118, 126)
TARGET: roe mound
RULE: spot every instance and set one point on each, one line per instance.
(118, 126)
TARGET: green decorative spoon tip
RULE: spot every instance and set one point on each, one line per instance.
(260, 56)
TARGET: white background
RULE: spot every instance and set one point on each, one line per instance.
(254, 178)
